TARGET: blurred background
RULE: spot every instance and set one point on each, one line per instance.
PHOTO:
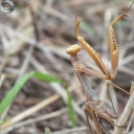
(24, 48)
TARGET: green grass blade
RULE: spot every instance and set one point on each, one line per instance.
(88, 28)
(13, 92)
(123, 24)
(2, 122)
(9, 98)
(47, 78)
(71, 111)
(47, 131)
(20, 83)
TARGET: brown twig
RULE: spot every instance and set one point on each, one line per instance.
(125, 115)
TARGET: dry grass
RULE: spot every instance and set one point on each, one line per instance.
(21, 53)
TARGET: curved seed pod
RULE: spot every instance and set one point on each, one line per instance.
(7, 6)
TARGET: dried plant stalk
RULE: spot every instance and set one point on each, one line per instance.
(125, 115)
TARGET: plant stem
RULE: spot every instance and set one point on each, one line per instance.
(125, 115)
